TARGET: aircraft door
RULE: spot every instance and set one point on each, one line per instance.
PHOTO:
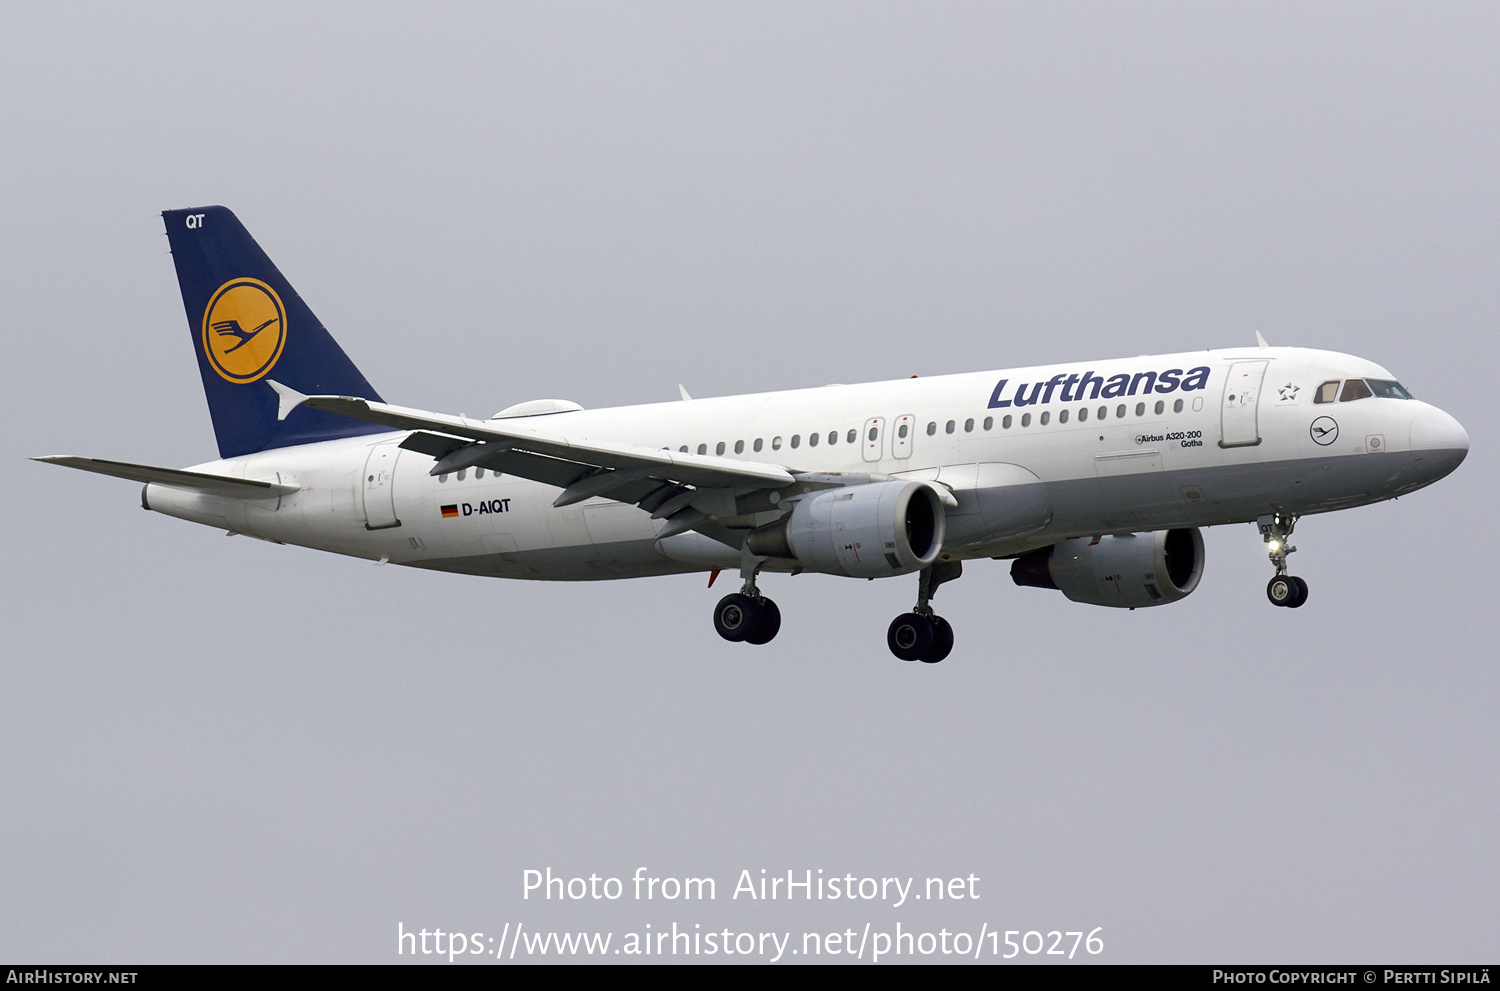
(904, 426)
(874, 443)
(379, 487)
(1239, 423)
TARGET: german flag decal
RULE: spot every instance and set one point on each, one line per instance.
(450, 511)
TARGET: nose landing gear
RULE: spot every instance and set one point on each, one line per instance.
(1283, 590)
(921, 635)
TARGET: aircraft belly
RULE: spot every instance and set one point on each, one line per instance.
(564, 563)
(995, 501)
(1210, 495)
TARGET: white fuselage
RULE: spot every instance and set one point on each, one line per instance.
(1084, 461)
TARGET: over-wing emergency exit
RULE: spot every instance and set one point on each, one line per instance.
(1091, 478)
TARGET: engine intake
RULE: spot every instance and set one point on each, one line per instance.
(861, 531)
(1127, 571)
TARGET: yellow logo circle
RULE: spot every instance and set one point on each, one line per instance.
(244, 329)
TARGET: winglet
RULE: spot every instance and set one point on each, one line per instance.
(290, 398)
(1261, 341)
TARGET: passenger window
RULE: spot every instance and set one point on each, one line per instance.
(1046, 417)
(1354, 389)
(1140, 409)
(812, 440)
(702, 448)
(874, 433)
(462, 474)
(1177, 406)
(1025, 419)
(989, 422)
(901, 431)
(739, 447)
(1327, 392)
(683, 449)
(931, 429)
(1005, 423)
(720, 448)
(757, 444)
(1083, 414)
(775, 443)
(1161, 407)
(478, 473)
(1120, 412)
(443, 477)
(968, 426)
(949, 427)
(796, 440)
(833, 436)
(852, 434)
(1062, 417)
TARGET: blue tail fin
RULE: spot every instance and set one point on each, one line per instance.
(249, 324)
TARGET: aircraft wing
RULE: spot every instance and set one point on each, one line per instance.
(241, 488)
(690, 491)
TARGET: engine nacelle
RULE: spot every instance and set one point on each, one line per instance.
(1127, 571)
(861, 531)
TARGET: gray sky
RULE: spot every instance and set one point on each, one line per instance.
(222, 750)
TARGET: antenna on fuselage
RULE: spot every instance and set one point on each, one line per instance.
(1261, 341)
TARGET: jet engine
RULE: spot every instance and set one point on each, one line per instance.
(862, 531)
(1125, 570)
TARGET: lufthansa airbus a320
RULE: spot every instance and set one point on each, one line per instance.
(1091, 478)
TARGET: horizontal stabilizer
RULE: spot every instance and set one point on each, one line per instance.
(241, 488)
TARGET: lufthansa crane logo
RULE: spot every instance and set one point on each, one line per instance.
(244, 330)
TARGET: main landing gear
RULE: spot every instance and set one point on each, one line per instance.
(922, 635)
(747, 616)
(1283, 590)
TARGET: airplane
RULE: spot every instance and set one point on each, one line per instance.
(1091, 478)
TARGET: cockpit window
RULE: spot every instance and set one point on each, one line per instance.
(1354, 389)
(1386, 389)
(1327, 392)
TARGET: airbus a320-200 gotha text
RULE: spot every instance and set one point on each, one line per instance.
(1091, 478)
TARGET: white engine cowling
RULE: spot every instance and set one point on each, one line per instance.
(1127, 571)
(861, 531)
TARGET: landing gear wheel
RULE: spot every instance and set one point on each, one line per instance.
(768, 624)
(910, 636)
(1301, 594)
(1281, 590)
(942, 640)
(736, 616)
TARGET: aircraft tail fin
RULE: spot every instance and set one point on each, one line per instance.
(246, 321)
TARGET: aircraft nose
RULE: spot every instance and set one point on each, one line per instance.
(1438, 441)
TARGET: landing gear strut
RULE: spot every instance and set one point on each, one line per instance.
(921, 635)
(747, 615)
(1283, 590)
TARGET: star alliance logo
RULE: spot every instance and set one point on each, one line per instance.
(1288, 393)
